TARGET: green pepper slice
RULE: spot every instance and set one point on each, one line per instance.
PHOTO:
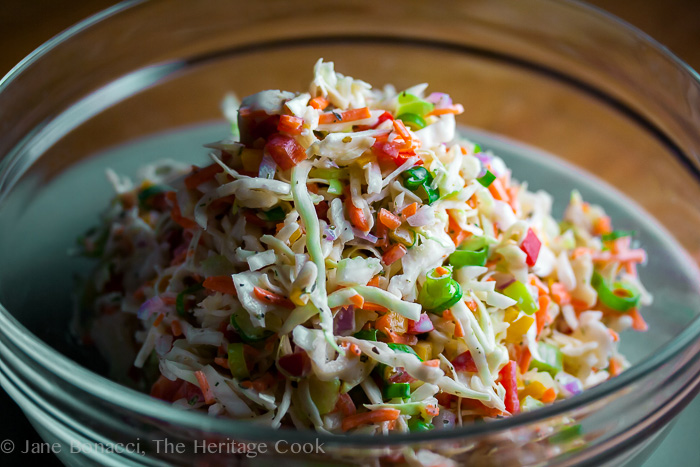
(549, 359)
(486, 179)
(413, 121)
(236, 361)
(180, 299)
(619, 297)
(403, 348)
(394, 390)
(518, 292)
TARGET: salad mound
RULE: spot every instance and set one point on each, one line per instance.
(347, 263)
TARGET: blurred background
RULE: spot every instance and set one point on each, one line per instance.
(26, 24)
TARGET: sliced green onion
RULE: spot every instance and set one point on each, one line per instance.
(236, 361)
(439, 292)
(403, 348)
(549, 359)
(415, 177)
(335, 187)
(518, 292)
(416, 424)
(180, 299)
(245, 329)
(367, 334)
(404, 235)
(274, 215)
(615, 234)
(566, 434)
(324, 394)
(619, 297)
(487, 179)
(473, 252)
(146, 194)
(427, 194)
(477, 148)
(408, 103)
(400, 390)
(413, 121)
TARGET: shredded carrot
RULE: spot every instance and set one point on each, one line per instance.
(396, 252)
(175, 213)
(615, 367)
(410, 210)
(440, 271)
(408, 339)
(455, 109)
(542, 289)
(273, 298)
(222, 362)
(391, 322)
(375, 416)
(223, 284)
(352, 348)
(498, 191)
(549, 396)
(638, 323)
(374, 307)
(176, 328)
(346, 405)
(401, 129)
(579, 305)
(375, 281)
(435, 363)
(560, 294)
(455, 232)
(471, 304)
(202, 175)
(290, 124)
(389, 219)
(542, 315)
(357, 300)
(459, 329)
(158, 320)
(346, 116)
(204, 386)
(432, 410)
(602, 225)
(319, 103)
(525, 358)
(615, 336)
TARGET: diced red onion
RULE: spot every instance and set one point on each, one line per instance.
(445, 420)
(150, 306)
(296, 364)
(365, 235)
(422, 217)
(440, 99)
(163, 344)
(329, 233)
(344, 320)
(422, 325)
(484, 158)
(569, 385)
(268, 166)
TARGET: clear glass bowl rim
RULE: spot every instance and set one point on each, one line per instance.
(158, 411)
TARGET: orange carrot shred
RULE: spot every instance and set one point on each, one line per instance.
(346, 116)
(357, 300)
(410, 210)
(453, 109)
(319, 103)
(202, 175)
(375, 416)
(432, 363)
(394, 253)
(223, 284)
(204, 386)
(549, 396)
(615, 367)
(273, 298)
(158, 320)
(389, 219)
(176, 328)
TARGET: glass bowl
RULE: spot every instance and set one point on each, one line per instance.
(559, 76)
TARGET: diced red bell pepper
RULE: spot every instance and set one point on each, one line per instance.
(389, 152)
(531, 246)
(383, 118)
(508, 380)
(296, 364)
(285, 150)
(464, 362)
(401, 376)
